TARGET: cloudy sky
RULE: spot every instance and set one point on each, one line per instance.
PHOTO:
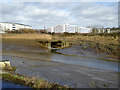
(40, 14)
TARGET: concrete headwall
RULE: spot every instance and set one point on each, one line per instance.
(5, 64)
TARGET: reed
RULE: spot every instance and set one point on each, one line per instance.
(30, 36)
(100, 43)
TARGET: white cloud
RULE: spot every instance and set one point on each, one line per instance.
(46, 14)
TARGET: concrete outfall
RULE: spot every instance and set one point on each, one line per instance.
(5, 65)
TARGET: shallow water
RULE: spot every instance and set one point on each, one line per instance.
(8, 84)
(73, 71)
(67, 59)
(85, 61)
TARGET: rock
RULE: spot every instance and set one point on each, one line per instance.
(5, 64)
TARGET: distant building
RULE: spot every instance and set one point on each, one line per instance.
(70, 28)
(50, 29)
(4, 26)
(99, 30)
(84, 30)
(105, 30)
(61, 28)
(114, 30)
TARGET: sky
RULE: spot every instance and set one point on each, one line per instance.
(47, 14)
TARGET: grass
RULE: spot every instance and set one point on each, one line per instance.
(95, 84)
(11, 69)
(32, 36)
(25, 39)
(107, 43)
(30, 81)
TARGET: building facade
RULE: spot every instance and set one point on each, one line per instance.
(105, 30)
(70, 28)
(50, 29)
(4, 26)
(84, 30)
(61, 28)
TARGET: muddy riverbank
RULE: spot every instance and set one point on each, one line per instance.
(8, 84)
(71, 71)
(78, 50)
(22, 81)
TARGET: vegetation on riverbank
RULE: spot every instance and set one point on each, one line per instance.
(102, 43)
(30, 82)
(25, 39)
(28, 36)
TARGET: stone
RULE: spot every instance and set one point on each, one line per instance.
(5, 64)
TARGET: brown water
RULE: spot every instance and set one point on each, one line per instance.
(73, 71)
(10, 85)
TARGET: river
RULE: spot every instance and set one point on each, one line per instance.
(67, 70)
(8, 85)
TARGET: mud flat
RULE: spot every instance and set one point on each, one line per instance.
(65, 74)
(65, 70)
(78, 50)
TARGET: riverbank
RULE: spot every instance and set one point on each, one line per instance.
(8, 74)
(78, 50)
(70, 71)
(99, 44)
(31, 82)
(29, 40)
(70, 75)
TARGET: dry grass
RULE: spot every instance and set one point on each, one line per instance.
(27, 36)
(105, 44)
(95, 39)
(30, 81)
(25, 39)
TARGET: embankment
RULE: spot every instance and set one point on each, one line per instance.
(107, 44)
(31, 82)
(25, 39)
(99, 43)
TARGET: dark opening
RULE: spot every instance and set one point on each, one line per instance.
(56, 44)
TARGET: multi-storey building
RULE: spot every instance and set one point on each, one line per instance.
(59, 28)
(4, 26)
(84, 30)
(70, 28)
(50, 29)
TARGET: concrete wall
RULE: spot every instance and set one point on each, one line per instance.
(5, 65)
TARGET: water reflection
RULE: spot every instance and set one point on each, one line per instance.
(73, 71)
(8, 84)
(47, 55)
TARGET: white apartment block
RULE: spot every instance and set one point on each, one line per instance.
(70, 28)
(50, 29)
(4, 26)
(61, 28)
(84, 30)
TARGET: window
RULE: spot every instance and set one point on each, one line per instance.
(13, 24)
(13, 29)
